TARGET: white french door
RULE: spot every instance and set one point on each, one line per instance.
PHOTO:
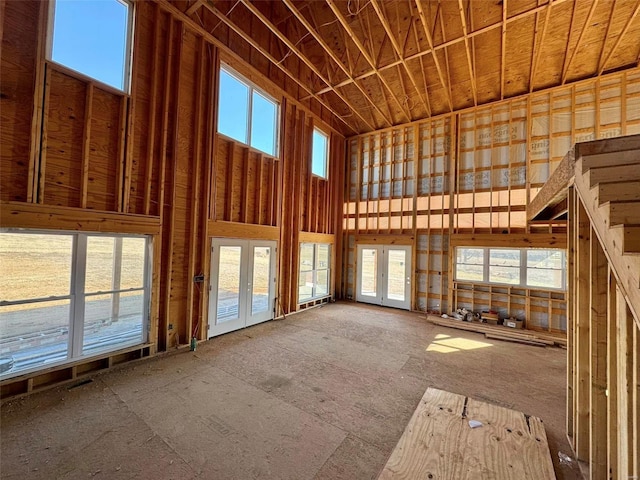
(384, 275)
(243, 284)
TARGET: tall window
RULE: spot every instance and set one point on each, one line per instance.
(65, 296)
(247, 114)
(93, 38)
(531, 268)
(315, 261)
(319, 153)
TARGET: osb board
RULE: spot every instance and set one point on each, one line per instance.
(438, 442)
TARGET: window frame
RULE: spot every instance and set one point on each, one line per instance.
(252, 88)
(314, 271)
(78, 295)
(326, 153)
(128, 48)
(523, 268)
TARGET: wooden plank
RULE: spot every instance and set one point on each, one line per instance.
(532, 335)
(310, 237)
(533, 240)
(493, 336)
(439, 442)
(242, 230)
(32, 215)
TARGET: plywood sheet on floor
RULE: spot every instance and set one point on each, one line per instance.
(441, 442)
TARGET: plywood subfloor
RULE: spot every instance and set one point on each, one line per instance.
(451, 436)
(324, 394)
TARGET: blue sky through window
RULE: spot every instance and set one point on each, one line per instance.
(319, 154)
(233, 107)
(254, 123)
(90, 36)
(263, 124)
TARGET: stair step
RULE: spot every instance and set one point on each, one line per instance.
(631, 239)
(628, 157)
(623, 191)
(627, 213)
(623, 173)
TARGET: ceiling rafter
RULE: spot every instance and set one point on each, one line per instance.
(472, 74)
(294, 49)
(427, 32)
(446, 54)
(356, 40)
(606, 34)
(536, 51)
(565, 71)
(224, 19)
(571, 29)
(622, 34)
(503, 45)
(396, 47)
(328, 51)
(416, 38)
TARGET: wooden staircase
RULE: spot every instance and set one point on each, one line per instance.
(607, 179)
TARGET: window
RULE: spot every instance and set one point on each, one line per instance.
(319, 153)
(246, 114)
(93, 38)
(315, 261)
(65, 296)
(531, 268)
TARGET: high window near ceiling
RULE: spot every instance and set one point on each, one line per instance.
(93, 38)
(65, 296)
(247, 114)
(319, 153)
(523, 267)
(315, 272)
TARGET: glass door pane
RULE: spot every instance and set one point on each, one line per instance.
(228, 283)
(369, 272)
(396, 260)
(260, 282)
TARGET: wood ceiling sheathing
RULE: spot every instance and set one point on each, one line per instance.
(370, 62)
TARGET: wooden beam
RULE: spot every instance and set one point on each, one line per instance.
(333, 56)
(365, 54)
(259, 48)
(396, 47)
(191, 10)
(503, 44)
(472, 74)
(622, 34)
(34, 215)
(587, 22)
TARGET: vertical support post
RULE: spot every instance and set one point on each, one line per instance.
(598, 356)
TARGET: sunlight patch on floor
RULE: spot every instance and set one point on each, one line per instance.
(446, 344)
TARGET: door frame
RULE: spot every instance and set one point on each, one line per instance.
(244, 317)
(381, 297)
